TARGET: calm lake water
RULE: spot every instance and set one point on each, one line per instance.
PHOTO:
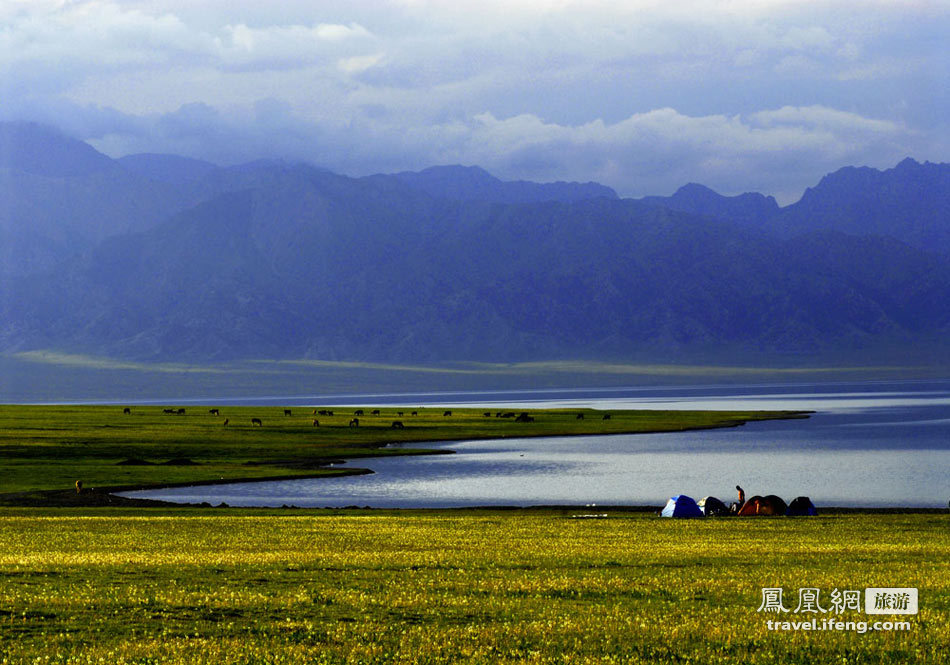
(869, 444)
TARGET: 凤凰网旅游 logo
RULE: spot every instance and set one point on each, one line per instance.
(883, 600)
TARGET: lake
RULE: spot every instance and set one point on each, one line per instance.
(868, 444)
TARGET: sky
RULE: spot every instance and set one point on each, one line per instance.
(640, 95)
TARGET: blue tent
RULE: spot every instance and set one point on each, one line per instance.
(801, 507)
(681, 506)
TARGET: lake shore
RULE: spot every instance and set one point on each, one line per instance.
(46, 449)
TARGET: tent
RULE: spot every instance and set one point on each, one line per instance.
(681, 506)
(712, 507)
(800, 507)
(763, 505)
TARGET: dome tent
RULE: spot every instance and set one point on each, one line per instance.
(681, 506)
(763, 505)
(800, 507)
(712, 507)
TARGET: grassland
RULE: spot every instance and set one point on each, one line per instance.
(44, 450)
(199, 586)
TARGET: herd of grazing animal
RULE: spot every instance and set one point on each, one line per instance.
(355, 422)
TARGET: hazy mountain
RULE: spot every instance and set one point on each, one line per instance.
(44, 151)
(157, 256)
(331, 269)
(167, 168)
(471, 183)
(752, 209)
(61, 197)
(910, 202)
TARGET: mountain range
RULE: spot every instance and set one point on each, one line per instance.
(166, 257)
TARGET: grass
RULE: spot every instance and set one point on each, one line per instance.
(200, 586)
(49, 448)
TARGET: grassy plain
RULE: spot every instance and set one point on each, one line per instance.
(45, 448)
(194, 586)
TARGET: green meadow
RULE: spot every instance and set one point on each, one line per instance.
(49, 448)
(81, 583)
(195, 586)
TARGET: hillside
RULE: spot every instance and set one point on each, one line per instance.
(160, 257)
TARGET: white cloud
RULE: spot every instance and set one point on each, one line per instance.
(644, 94)
(359, 63)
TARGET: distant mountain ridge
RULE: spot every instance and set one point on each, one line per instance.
(750, 208)
(472, 183)
(164, 257)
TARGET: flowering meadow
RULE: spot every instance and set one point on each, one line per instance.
(120, 586)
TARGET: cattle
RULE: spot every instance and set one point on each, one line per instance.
(524, 418)
(487, 414)
(78, 487)
(287, 412)
(322, 412)
(510, 414)
(180, 412)
(580, 416)
(168, 410)
(127, 411)
(606, 416)
(226, 421)
(415, 413)
(256, 421)
(316, 423)
(375, 412)
(329, 413)
(399, 413)
(355, 422)
(214, 412)
(358, 412)
(397, 424)
(447, 413)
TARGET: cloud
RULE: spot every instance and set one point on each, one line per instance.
(644, 95)
(776, 151)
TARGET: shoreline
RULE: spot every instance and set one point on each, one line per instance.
(108, 496)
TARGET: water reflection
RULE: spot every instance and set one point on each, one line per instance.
(863, 448)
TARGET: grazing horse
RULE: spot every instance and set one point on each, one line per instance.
(226, 421)
(78, 487)
(127, 411)
(214, 412)
(316, 423)
(355, 422)
(256, 421)
(286, 412)
(397, 424)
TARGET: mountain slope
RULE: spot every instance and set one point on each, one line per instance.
(751, 209)
(471, 183)
(330, 269)
(910, 202)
